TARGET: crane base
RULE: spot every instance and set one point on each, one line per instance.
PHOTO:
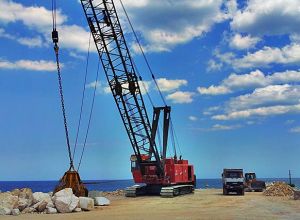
(163, 191)
(71, 179)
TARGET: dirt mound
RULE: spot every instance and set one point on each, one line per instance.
(279, 189)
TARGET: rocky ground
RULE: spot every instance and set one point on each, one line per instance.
(23, 201)
(203, 204)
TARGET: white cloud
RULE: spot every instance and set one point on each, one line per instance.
(263, 102)
(268, 17)
(267, 101)
(76, 55)
(101, 87)
(79, 39)
(181, 97)
(270, 95)
(262, 111)
(295, 130)
(288, 55)
(39, 19)
(295, 38)
(31, 42)
(213, 66)
(213, 90)
(145, 86)
(290, 121)
(218, 127)
(165, 24)
(5, 35)
(254, 79)
(211, 110)
(243, 42)
(167, 85)
(41, 65)
(33, 16)
(193, 118)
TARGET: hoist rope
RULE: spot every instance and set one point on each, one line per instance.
(56, 50)
(54, 14)
(90, 116)
(173, 133)
(83, 96)
(143, 53)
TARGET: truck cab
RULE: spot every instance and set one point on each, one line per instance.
(233, 181)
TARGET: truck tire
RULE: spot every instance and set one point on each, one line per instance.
(242, 192)
(225, 192)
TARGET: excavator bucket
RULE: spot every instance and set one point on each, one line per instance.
(71, 179)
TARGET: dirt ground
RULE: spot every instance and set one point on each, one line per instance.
(203, 204)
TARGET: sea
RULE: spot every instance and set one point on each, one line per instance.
(112, 185)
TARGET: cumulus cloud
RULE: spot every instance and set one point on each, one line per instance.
(270, 95)
(30, 42)
(101, 87)
(165, 24)
(180, 97)
(34, 16)
(262, 111)
(268, 17)
(254, 79)
(213, 66)
(219, 127)
(295, 130)
(193, 118)
(288, 55)
(243, 42)
(41, 65)
(268, 101)
(39, 19)
(167, 85)
(211, 110)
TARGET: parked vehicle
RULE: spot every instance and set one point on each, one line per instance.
(252, 184)
(233, 181)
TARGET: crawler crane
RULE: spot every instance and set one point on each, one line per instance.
(158, 174)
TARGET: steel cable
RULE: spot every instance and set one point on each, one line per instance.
(83, 96)
(90, 116)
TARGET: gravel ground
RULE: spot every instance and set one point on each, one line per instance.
(203, 204)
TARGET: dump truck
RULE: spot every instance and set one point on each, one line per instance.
(252, 184)
(233, 181)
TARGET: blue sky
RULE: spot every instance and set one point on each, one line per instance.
(229, 69)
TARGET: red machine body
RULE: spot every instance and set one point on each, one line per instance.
(176, 172)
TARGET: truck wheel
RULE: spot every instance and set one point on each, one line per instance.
(225, 192)
(242, 192)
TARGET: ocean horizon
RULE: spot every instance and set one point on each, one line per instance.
(112, 185)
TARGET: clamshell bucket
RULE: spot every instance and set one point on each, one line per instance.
(71, 179)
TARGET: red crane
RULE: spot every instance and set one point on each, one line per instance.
(158, 174)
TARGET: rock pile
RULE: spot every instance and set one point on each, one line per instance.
(24, 201)
(114, 193)
(279, 189)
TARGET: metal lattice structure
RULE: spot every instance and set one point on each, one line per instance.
(122, 78)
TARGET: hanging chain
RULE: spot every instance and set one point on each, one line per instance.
(56, 49)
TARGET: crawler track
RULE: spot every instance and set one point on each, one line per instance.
(165, 192)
